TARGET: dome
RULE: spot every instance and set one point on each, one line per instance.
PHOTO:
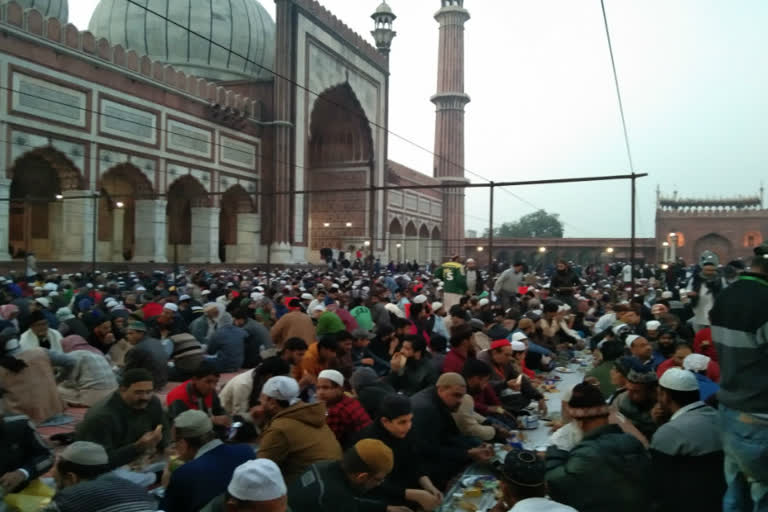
(49, 8)
(243, 26)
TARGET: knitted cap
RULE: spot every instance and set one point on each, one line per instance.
(524, 468)
(376, 455)
(451, 379)
(85, 453)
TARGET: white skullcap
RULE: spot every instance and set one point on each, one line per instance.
(420, 299)
(653, 325)
(436, 305)
(518, 346)
(170, 306)
(256, 296)
(184, 297)
(696, 362)
(205, 292)
(666, 294)
(679, 380)
(631, 339)
(43, 302)
(483, 302)
(470, 260)
(333, 376)
(319, 307)
(617, 329)
(50, 287)
(85, 453)
(519, 336)
(306, 296)
(257, 480)
(282, 388)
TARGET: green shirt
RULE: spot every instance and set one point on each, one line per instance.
(454, 277)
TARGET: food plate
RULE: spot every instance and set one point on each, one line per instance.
(563, 369)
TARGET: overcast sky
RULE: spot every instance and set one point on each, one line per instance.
(693, 74)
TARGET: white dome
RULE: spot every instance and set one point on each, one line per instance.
(243, 26)
(48, 8)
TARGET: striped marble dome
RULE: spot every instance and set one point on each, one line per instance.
(49, 8)
(242, 31)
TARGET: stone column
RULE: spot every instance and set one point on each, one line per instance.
(205, 235)
(151, 234)
(412, 248)
(118, 234)
(248, 248)
(5, 218)
(280, 205)
(77, 225)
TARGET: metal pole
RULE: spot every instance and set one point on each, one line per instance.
(490, 235)
(633, 241)
(94, 234)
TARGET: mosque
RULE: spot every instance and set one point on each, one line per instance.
(194, 131)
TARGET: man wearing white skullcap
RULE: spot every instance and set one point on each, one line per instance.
(84, 482)
(701, 366)
(652, 329)
(643, 351)
(297, 435)
(687, 451)
(346, 416)
(257, 486)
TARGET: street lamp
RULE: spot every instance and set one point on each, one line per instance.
(399, 245)
(480, 249)
(542, 249)
(367, 243)
(349, 224)
(119, 204)
(609, 250)
(59, 197)
(326, 224)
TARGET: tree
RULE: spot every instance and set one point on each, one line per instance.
(539, 224)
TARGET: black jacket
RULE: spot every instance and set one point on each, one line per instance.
(22, 448)
(325, 488)
(437, 437)
(407, 469)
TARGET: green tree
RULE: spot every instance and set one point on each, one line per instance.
(538, 224)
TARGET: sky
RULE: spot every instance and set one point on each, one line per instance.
(692, 73)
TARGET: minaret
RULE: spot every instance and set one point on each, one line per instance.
(450, 101)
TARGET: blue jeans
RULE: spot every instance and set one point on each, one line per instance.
(745, 443)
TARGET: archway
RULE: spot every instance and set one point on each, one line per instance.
(234, 227)
(340, 156)
(424, 244)
(717, 244)
(395, 240)
(121, 187)
(39, 181)
(437, 246)
(411, 242)
(184, 194)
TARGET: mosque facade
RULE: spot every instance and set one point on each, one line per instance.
(207, 132)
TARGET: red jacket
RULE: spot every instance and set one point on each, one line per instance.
(182, 393)
(713, 369)
(485, 399)
(708, 350)
(454, 362)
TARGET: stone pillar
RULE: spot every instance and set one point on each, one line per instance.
(5, 218)
(450, 101)
(248, 248)
(280, 205)
(118, 234)
(205, 235)
(412, 248)
(151, 234)
(77, 226)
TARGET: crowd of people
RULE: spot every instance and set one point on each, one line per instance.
(357, 389)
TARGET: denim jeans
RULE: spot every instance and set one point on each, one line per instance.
(745, 442)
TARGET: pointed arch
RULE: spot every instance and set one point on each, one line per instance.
(184, 194)
(410, 229)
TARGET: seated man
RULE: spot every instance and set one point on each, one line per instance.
(341, 485)
(643, 351)
(513, 388)
(443, 449)
(25, 454)
(687, 451)
(608, 469)
(227, 346)
(147, 353)
(345, 414)
(321, 355)
(523, 485)
(85, 483)
(257, 486)
(638, 402)
(199, 394)
(408, 482)
(39, 334)
(412, 368)
(363, 356)
(208, 463)
(130, 423)
(297, 435)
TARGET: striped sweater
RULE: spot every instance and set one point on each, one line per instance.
(106, 493)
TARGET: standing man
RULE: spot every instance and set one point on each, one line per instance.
(703, 288)
(740, 330)
(454, 278)
(508, 283)
(564, 283)
(475, 284)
